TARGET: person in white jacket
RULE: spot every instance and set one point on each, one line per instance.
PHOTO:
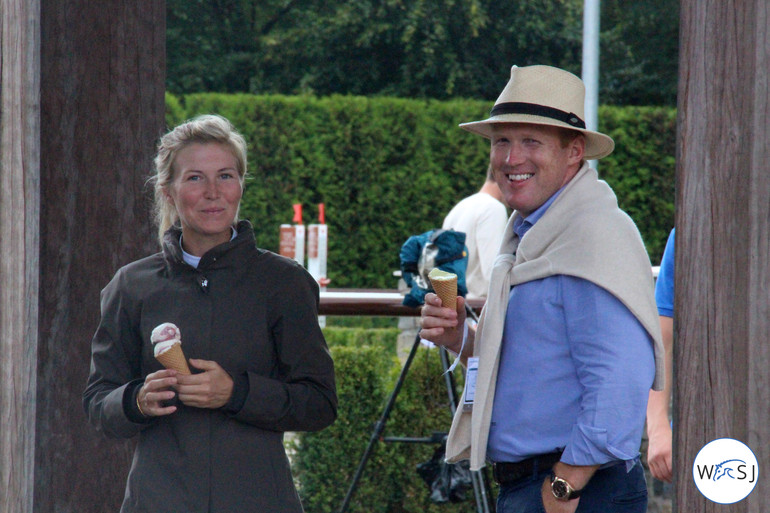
(482, 217)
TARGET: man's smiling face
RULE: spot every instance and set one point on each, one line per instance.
(531, 162)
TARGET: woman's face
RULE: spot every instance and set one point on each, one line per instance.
(206, 191)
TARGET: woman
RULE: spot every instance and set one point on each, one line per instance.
(211, 441)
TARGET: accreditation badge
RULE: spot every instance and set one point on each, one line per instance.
(470, 383)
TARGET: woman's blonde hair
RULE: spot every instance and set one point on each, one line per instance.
(203, 129)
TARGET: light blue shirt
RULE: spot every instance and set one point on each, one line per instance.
(576, 369)
(664, 285)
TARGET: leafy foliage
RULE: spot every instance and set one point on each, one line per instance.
(324, 463)
(390, 168)
(414, 49)
(641, 169)
(639, 51)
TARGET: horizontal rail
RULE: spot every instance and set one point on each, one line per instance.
(372, 302)
(380, 302)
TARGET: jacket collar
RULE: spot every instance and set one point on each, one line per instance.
(172, 250)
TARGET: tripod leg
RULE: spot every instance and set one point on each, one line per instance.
(470, 313)
(481, 490)
(449, 379)
(379, 427)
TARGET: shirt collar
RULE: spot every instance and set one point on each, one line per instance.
(522, 224)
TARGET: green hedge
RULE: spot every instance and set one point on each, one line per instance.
(641, 169)
(324, 463)
(388, 168)
(384, 338)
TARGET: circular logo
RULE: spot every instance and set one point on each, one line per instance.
(725, 471)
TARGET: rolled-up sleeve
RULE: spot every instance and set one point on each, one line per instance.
(614, 361)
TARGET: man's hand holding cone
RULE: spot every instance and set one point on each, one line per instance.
(437, 326)
(445, 285)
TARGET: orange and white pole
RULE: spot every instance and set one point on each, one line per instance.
(317, 245)
(291, 243)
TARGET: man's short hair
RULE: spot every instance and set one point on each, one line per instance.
(566, 135)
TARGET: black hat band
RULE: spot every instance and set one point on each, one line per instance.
(537, 110)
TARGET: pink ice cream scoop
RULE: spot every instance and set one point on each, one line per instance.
(167, 341)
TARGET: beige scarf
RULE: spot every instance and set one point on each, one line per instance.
(582, 234)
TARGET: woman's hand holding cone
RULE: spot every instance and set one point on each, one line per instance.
(157, 389)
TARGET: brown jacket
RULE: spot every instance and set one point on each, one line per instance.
(254, 313)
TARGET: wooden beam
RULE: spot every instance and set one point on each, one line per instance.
(19, 218)
(722, 323)
(102, 74)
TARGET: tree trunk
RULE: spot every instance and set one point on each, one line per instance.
(19, 209)
(75, 159)
(722, 323)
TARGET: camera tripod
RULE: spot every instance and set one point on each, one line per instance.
(479, 479)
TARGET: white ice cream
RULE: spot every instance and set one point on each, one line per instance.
(438, 274)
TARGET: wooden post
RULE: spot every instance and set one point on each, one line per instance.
(722, 323)
(19, 207)
(75, 159)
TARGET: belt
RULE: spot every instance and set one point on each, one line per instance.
(506, 473)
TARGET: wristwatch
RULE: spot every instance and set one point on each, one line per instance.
(562, 490)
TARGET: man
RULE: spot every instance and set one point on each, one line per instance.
(568, 344)
(482, 217)
(658, 423)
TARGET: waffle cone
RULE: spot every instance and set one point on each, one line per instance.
(173, 358)
(446, 289)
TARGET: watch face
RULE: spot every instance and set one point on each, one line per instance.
(560, 489)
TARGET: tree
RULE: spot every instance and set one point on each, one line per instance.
(639, 49)
(415, 49)
(215, 45)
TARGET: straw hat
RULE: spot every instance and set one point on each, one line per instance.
(544, 95)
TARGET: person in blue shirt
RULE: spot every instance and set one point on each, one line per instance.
(568, 344)
(658, 422)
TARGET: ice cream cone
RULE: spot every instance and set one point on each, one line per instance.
(173, 358)
(445, 285)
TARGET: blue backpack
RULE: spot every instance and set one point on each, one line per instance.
(420, 254)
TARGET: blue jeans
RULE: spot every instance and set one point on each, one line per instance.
(610, 490)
